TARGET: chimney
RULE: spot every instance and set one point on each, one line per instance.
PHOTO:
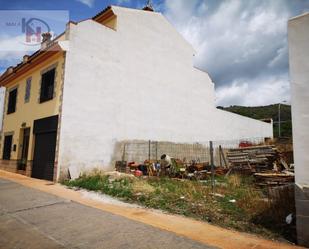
(148, 6)
(10, 70)
(25, 58)
(46, 38)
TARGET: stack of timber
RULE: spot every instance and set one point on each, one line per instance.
(274, 179)
(253, 159)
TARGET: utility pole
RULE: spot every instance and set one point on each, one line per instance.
(279, 117)
(279, 120)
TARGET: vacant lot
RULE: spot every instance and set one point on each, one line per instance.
(236, 202)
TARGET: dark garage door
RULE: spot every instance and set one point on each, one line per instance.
(45, 131)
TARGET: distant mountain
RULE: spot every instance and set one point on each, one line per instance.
(264, 112)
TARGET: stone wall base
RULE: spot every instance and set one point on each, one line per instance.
(302, 214)
(11, 166)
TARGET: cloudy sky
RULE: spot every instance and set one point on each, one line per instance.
(242, 44)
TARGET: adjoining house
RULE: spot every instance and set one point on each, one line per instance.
(298, 32)
(122, 74)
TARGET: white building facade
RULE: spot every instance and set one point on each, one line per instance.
(136, 81)
(298, 30)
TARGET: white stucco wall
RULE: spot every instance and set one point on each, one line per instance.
(299, 77)
(137, 83)
(2, 99)
(298, 32)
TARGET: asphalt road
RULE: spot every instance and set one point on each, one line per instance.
(33, 219)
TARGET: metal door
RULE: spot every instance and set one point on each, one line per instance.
(45, 131)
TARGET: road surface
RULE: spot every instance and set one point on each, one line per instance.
(30, 218)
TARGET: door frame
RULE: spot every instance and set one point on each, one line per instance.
(44, 126)
(24, 148)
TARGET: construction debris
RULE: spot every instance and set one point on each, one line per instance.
(167, 166)
(253, 159)
(217, 195)
(264, 162)
(121, 166)
(274, 179)
(115, 175)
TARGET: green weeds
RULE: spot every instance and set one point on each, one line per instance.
(236, 204)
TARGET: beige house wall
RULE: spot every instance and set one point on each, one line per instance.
(27, 112)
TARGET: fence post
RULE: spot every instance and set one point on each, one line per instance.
(220, 148)
(123, 152)
(223, 156)
(156, 150)
(212, 166)
(123, 156)
(149, 150)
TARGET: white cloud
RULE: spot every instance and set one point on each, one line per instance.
(12, 49)
(89, 3)
(120, 2)
(15, 43)
(10, 58)
(242, 44)
(281, 53)
(260, 92)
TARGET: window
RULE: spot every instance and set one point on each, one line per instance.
(12, 101)
(47, 86)
(27, 90)
(7, 145)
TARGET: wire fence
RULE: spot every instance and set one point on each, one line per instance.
(139, 151)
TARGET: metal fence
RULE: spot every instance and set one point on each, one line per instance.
(138, 151)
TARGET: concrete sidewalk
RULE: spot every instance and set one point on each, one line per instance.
(64, 218)
(33, 219)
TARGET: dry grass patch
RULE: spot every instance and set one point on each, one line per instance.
(141, 186)
(234, 180)
(237, 204)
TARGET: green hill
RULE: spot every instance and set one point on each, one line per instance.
(264, 112)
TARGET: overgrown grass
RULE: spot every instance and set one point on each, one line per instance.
(237, 203)
(121, 188)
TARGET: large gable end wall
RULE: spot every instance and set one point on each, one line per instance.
(144, 28)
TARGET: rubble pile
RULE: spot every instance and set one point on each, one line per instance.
(265, 162)
(274, 179)
(253, 158)
(167, 167)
